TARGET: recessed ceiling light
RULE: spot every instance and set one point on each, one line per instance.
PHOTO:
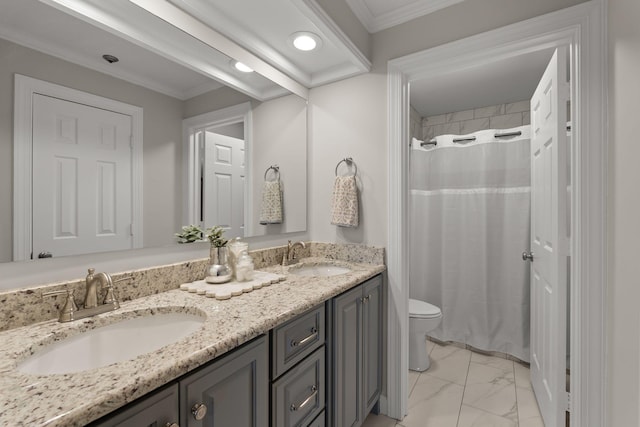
(305, 41)
(241, 67)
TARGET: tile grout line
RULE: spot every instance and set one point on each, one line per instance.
(515, 383)
(464, 390)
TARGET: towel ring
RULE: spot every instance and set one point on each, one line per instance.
(349, 161)
(276, 170)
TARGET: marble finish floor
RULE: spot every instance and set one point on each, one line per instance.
(466, 389)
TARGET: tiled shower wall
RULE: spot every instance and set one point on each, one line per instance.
(501, 116)
(415, 124)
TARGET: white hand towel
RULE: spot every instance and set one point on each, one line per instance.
(344, 203)
(271, 208)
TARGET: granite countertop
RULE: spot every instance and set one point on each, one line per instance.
(79, 398)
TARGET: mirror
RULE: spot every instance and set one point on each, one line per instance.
(168, 92)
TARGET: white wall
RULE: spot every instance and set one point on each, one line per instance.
(624, 214)
(348, 119)
(279, 132)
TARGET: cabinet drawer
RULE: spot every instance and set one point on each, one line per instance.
(296, 339)
(298, 397)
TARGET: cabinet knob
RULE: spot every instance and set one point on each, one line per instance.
(199, 410)
(172, 425)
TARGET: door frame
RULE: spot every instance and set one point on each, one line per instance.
(240, 113)
(25, 89)
(583, 28)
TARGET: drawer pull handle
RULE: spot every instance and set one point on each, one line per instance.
(314, 392)
(314, 333)
(172, 425)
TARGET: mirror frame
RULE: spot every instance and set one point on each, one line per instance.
(240, 113)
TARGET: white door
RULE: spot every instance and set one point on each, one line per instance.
(549, 242)
(81, 178)
(224, 183)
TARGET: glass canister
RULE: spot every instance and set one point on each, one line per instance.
(236, 247)
(244, 267)
(219, 271)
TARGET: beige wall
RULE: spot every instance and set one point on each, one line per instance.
(162, 135)
(623, 330)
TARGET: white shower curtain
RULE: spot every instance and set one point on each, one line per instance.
(469, 224)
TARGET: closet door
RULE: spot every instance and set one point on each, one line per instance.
(549, 240)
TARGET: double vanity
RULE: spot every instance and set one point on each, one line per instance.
(306, 351)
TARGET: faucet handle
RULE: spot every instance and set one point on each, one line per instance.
(69, 308)
(109, 293)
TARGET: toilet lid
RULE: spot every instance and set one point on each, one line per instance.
(422, 309)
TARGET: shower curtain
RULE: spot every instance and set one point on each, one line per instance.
(469, 224)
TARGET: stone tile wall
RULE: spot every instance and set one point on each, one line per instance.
(501, 116)
(415, 124)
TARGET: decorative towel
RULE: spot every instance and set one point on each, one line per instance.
(271, 208)
(344, 203)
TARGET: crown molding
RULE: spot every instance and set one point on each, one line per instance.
(374, 23)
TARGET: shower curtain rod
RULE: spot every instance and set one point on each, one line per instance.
(433, 141)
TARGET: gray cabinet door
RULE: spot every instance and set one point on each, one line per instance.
(159, 408)
(372, 341)
(347, 361)
(235, 390)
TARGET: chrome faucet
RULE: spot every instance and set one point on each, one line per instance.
(92, 305)
(289, 256)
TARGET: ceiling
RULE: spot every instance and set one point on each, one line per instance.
(498, 82)
(165, 59)
(377, 15)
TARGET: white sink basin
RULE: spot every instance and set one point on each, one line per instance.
(319, 270)
(113, 343)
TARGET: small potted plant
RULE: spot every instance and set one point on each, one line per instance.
(190, 233)
(219, 270)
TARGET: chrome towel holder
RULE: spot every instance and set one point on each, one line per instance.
(276, 170)
(349, 161)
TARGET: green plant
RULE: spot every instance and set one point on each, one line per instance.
(190, 233)
(214, 234)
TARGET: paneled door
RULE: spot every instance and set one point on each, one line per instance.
(224, 183)
(82, 190)
(549, 240)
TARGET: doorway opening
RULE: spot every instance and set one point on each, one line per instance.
(579, 28)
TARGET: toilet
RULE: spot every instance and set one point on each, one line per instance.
(423, 318)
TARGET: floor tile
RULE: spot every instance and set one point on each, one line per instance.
(449, 363)
(430, 346)
(523, 375)
(472, 417)
(467, 389)
(434, 403)
(492, 390)
(532, 422)
(374, 420)
(411, 381)
(527, 404)
(493, 361)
